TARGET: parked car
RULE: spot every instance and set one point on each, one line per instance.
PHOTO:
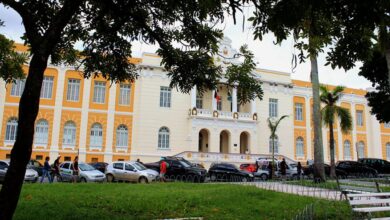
(291, 171)
(353, 168)
(380, 165)
(180, 168)
(309, 170)
(87, 173)
(130, 171)
(35, 165)
(248, 167)
(258, 174)
(30, 175)
(101, 166)
(228, 172)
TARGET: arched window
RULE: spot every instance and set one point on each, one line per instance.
(388, 150)
(163, 138)
(41, 132)
(69, 137)
(11, 129)
(361, 149)
(122, 136)
(347, 150)
(299, 147)
(276, 150)
(96, 135)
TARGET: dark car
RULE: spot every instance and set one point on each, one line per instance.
(180, 169)
(228, 172)
(382, 166)
(101, 166)
(309, 170)
(353, 168)
(35, 165)
(3, 170)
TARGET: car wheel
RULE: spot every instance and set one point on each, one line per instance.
(83, 180)
(110, 178)
(213, 177)
(263, 176)
(142, 180)
(244, 179)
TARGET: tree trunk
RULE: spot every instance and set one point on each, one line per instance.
(319, 173)
(387, 54)
(21, 151)
(332, 154)
(273, 157)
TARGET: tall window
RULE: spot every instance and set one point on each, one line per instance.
(299, 147)
(96, 135)
(347, 150)
(122, 136)
(361, 149)
(11, 129)
(18, 87)
(388, 150)
(359, 118)
(387, 125)
(276, 149)
(219, 103)
(199, 101)
(47, 87)
(41, 132)
(298, 111)
(73, 90)
(165, 96)
(99, 92)
(69, 136)
(124, 94)
(163, 138)
(273, 108)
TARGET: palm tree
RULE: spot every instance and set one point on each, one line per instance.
(273, 124)
(329, 112)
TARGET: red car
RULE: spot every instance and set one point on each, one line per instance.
(250, 167)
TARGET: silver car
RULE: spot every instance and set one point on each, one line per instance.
(87, 173)
(30, 175)
(130, 171)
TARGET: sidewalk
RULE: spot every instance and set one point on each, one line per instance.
(296, 189)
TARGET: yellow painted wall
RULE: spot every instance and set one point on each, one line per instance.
(70, 74)
(96, 118)
(300, 100)
(90, 157)
(74, 116)
(121, 157)
(361, 108)
(124, 108)
(102, 106)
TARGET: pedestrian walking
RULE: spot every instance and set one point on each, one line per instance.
(75, 169)
(163, 170)
(270, 170)
(46, 170)
(56, 167)
(283, 168)
(299, 170)
(139, 161)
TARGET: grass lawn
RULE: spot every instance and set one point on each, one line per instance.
(170, 200)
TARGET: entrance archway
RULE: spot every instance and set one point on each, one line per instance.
(244, 142)
(203, 144)
(224, 141)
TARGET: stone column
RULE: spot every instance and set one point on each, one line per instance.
(193, 97)
(308, 128)
(109, 149)
(234, 99)
(253, 106)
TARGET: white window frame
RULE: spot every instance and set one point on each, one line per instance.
(96, 136)
(273, 108)
(47, 87)
(347, 150)
(165, 96)
(276, 150)
(163, 138)
(219, 104)
(122, 136)
(41, 136)
(11, 130)
(17, 87)
(361, 149)
(359, 118)
(298, 111)
(124, 94)
(388, 151)
(199, 101)
(386, 125)
(69, 135)
(73, 92)
(99, 92)
(300, 145)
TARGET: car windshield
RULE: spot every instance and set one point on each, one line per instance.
(139, 166)
(86, 167)
(185, 164)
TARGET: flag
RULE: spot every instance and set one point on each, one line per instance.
(216, 96)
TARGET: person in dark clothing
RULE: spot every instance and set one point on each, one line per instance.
(46, 170)
(256, 166)
(139, 161)
(75, 169)
(56, 168)
(270, 170)
(299, 170)
(283, 168)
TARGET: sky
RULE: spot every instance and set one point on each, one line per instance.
(267, 54)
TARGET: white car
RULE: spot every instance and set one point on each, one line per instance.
(30, 175)
(87, 173)
(291, 171)
(130, 171)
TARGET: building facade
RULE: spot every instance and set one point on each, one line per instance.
(147, 119)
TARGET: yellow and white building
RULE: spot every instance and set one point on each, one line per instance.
(146, 119)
